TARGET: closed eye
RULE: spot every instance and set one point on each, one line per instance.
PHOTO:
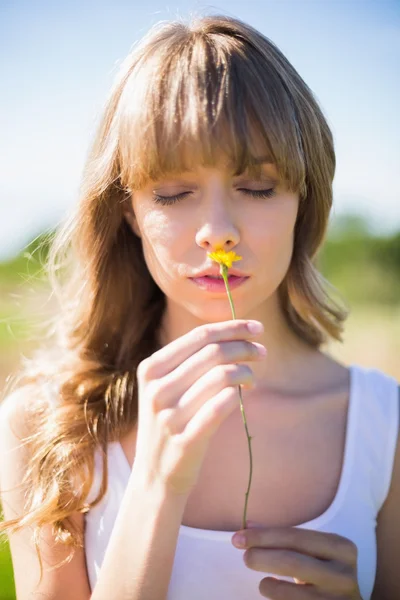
(259, 193)
(166, 200)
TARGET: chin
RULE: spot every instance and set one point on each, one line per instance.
(217, 310)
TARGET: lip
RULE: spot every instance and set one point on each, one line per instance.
(218, 285)
(215, 270)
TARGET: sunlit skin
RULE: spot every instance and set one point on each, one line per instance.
(217, 212)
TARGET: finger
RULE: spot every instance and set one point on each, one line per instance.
(200, 373)
(173, 354)
(328, 546)
(330, 576)
(274, 589)
(211, 356)
(211, 415)
(211, 384)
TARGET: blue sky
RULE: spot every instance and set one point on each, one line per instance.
(59, 59)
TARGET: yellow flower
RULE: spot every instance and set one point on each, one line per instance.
(224, 258)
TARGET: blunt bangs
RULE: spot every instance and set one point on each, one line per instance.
(207, 99)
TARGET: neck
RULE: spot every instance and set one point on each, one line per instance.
(289, 359)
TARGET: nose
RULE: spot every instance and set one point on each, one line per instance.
(217, 230)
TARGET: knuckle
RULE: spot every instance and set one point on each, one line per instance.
(228, 394)
(157, 394)
(239, 326)
(227, 374)
(215, 352)
(352, 551)
(184, 443)
(167, 420)
(288, 535)
(344, 547)
(204, 333)
(231, 392)
(143, 368)
(291, 560)
(269, 586)
(220, 373)
(209, 332)
(216, 411)
(347, 585)
(230, 373)
(345, 578)
(336, 543)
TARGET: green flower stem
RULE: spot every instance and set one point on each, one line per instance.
(224, 273)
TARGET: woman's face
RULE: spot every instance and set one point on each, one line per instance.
(214, 208)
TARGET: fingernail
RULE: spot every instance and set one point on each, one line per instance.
(239, 540)
(255, 327)
(262, 351)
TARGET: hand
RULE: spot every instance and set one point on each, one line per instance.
(324, 564)
(186, 390)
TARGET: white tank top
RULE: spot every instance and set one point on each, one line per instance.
(207, 565)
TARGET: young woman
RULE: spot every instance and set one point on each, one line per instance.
(126, 432)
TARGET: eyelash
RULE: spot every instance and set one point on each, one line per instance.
(166, 200)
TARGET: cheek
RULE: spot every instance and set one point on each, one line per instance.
(276, 227)
(275, 238)
(160, 239)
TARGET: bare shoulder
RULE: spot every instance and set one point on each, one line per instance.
(387, 581)
(67, 582)
(13, 429)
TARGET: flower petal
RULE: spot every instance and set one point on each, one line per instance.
(224, 258)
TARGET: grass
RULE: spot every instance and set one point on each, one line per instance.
(7, 588)
(371, 339)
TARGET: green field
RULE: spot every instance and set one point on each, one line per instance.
(7, 589)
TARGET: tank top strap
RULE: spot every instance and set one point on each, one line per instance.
(377, 430)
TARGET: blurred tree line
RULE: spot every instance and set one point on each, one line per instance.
(363, 266)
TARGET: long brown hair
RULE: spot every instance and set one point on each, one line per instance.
(186, 93)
